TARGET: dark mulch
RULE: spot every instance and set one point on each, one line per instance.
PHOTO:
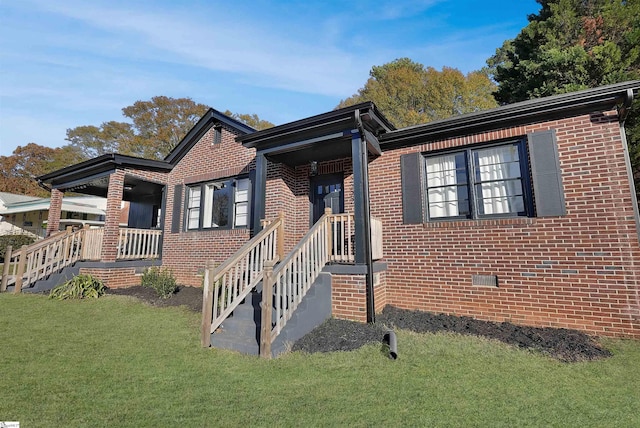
(340, 335)
(191, 297)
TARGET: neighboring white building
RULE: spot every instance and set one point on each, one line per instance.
(28, 215)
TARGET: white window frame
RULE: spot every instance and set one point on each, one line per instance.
(238, 206)
(458, 179)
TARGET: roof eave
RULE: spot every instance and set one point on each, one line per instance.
(316, 122)
(513, 114)
(104, 163)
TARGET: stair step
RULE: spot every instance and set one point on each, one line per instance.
(241, 332)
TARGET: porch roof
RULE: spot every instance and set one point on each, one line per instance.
(321, 137)
(539, 109)
(92, 176)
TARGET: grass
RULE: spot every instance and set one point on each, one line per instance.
(117, 362)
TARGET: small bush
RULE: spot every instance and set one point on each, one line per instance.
(16, 241)
(161, 280)
(79, 287)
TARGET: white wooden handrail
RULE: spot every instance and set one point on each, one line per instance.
(138, 244)
(31, 263)
(292, 277)
(286, 284)
(228, 284)
(37, 261)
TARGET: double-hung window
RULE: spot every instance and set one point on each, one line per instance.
(193, 207)
(220, 204)
(478, 182)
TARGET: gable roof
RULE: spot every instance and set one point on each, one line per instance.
(320, 137)
(341, 118)
(103, 165)
(208, 120)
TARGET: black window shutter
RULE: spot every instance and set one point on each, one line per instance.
(546, 174)
(177, 208)
(252, 192)
(412, 207)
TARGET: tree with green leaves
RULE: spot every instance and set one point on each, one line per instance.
(250, 119)
(571, 45)
(155, 128)
(408, 94)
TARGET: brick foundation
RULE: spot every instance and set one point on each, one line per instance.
(114, 277)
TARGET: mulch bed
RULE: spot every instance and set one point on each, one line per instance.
(340, 335)
(191, 297)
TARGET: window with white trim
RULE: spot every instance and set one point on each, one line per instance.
(478, 182)
(218, 205)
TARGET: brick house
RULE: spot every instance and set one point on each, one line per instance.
(523, 213)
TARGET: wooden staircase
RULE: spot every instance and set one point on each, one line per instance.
(22, 269)
(274, 299)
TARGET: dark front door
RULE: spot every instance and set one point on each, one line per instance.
(326, 192)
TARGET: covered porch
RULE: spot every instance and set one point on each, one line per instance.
(317, 168)
(132, 231)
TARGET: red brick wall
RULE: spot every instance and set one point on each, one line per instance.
(288, 191)
(114, 277)
(349, 296)
(186, 252)
(578, 271)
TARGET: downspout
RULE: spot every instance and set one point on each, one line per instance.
(623, 112)
(371, 311)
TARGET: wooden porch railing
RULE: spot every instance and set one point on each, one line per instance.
(31, 263)
(341, 238)
(92, 243)
(228, 284)
(138, 244)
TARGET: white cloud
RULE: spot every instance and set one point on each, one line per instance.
(266, 58)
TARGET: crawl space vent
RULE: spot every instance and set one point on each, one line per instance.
(484, 280)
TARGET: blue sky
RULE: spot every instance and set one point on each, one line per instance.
(68, 63)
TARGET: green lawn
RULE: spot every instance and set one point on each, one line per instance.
(115, 362)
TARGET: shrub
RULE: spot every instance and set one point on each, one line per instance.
(79, 287)
(16, 241)
(161, 280)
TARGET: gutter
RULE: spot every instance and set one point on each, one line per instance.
(513, 114)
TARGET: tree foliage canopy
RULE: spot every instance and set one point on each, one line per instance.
(571, 45)
(156, 127)
(410, 94)
(251, 119)
(17, 172)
